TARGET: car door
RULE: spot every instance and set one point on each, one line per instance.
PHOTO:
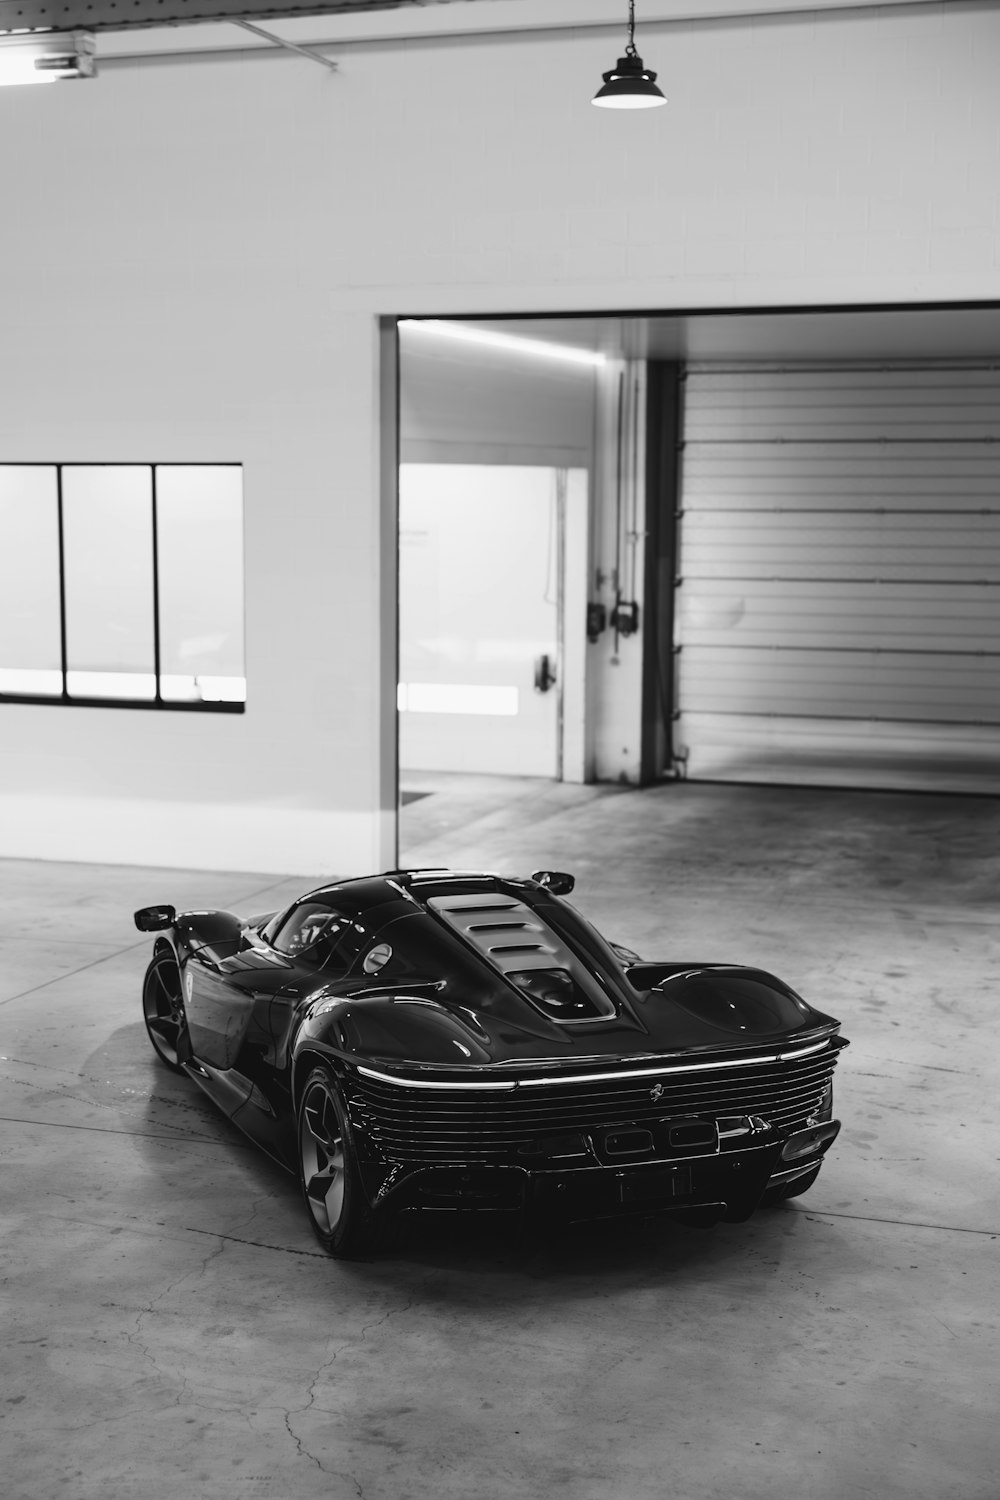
(220, 995)
(320, 941)
(316, 943)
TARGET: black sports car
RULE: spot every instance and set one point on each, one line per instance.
(430, 1039)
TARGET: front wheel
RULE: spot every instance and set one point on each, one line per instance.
(163, 1007)
(344, 1222)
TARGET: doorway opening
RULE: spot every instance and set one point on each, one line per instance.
(788, 569)
(496, 454)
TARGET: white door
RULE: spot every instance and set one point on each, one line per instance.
(479, 564)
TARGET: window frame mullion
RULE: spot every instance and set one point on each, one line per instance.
(63, 648)
(158, 696)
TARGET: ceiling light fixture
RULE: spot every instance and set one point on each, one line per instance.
(629, 85)
(510, 343)
(46, 57)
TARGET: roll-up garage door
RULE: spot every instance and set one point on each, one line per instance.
(838, 615)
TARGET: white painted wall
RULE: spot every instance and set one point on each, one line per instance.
(290, 784)
(195, 256)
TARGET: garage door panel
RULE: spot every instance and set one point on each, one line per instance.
(876, 425)
(810, 405)
(941, 687)
(886, 380)
(936, 476)
(762, 544)
(856, 752)
(838, 615)
(840, 575)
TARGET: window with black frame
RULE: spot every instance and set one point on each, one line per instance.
(122, 585)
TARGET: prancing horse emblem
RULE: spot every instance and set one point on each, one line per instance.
(657, 1092)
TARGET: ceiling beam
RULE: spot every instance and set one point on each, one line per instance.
(106, 15)
(160, 28)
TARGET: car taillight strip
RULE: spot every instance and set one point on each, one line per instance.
(436, 1083)
(671, 1070)
(550, 1080)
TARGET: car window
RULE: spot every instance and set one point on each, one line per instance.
(316, 933)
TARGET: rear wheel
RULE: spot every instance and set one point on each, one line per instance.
(163, 1007)
(344, 1222)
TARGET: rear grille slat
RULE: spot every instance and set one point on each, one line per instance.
(427, 1125)
(729, 1103)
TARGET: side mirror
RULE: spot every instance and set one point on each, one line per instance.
(153, 918)
(555, 881)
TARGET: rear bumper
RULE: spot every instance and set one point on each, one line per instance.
(734, 1186)
(803, 1152)
(731, 1182)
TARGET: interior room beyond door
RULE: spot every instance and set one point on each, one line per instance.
(479, 599)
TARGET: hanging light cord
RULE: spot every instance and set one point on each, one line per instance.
(630, 49)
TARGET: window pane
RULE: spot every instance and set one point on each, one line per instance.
(30, 659)
(108, 547)
(199, 513)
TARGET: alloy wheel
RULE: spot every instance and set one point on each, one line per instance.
(321, 1152)
(163, 1006)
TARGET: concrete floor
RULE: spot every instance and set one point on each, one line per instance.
(170, 1328)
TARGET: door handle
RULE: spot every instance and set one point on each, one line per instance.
(545, 674)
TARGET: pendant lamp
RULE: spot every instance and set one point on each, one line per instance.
(629, 85)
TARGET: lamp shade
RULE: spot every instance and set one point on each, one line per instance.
(629, 85)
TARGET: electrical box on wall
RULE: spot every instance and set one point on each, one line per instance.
(625, 617)
(597, 621)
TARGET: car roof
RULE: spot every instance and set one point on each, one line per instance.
(363, 893)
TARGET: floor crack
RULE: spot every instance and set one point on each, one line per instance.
(310, 1405)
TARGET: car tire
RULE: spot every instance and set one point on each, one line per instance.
(343, 1220)
(163, 1007)
(794, 1189)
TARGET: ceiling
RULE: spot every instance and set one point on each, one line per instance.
(919, 332)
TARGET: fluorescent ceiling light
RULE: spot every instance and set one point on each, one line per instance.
(464, 333)
(46, 57)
